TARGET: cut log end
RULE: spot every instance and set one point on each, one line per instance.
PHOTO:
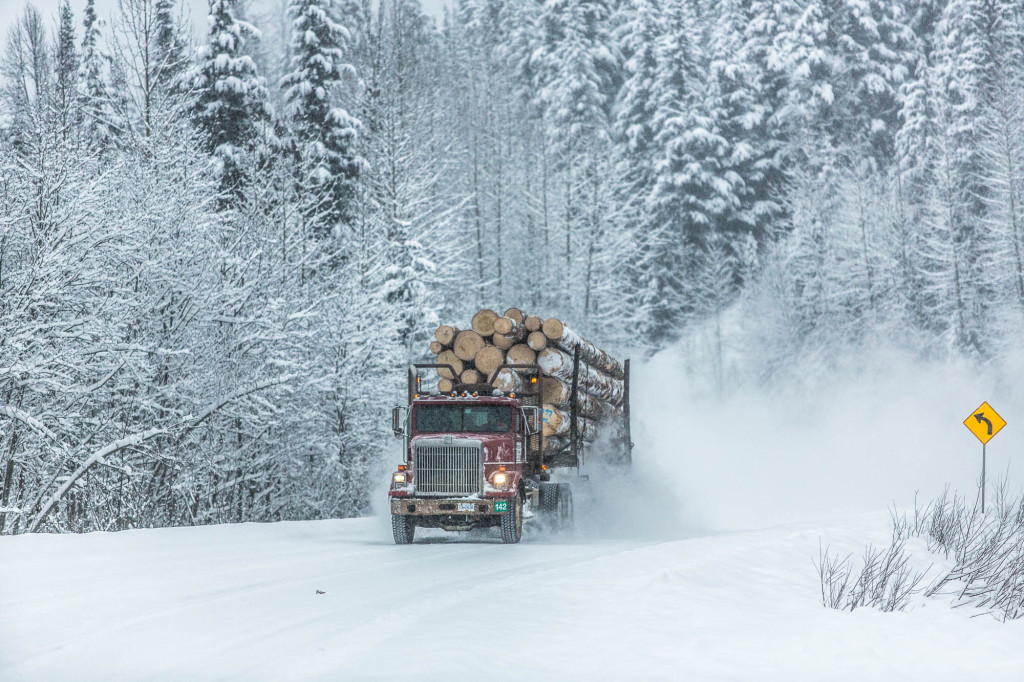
(553, 328)
(503, 342)
(436, 347)
(537, 341)
(489, 359)
(470, 376)
(521, 354)
(515, 314)
(445, 334)
(483, 322)
(449, 358)
(445, 386)
(533, 323)
(467, 344)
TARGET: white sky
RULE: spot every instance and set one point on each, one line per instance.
(10, 10)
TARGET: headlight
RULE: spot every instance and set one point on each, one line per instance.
(499, 479)
(400, 478)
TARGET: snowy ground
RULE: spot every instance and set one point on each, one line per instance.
(240, 602)
(698, 567)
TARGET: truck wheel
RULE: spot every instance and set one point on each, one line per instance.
(512, 522)
(549, 503)
(564, 505)
(402, 528)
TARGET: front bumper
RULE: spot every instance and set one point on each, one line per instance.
(418, 506)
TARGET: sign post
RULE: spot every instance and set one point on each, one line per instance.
(984, 423)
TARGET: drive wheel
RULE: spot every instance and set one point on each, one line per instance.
(565, 512)
(402, 528)
(549, 504)
(512, 522)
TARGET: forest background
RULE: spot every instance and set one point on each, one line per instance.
(217, 255)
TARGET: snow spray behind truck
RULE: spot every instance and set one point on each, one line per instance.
(516, 397)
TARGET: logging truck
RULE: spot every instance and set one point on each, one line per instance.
(481, 445)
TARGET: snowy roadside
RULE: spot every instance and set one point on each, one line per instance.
(240, 602)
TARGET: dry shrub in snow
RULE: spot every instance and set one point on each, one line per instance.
(986, 551)
(884, 580)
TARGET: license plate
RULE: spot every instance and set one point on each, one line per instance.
(464, 506)
(501, 506)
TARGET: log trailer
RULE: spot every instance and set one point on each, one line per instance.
(477, 456)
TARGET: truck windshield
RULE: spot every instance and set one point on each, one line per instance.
(463, 418)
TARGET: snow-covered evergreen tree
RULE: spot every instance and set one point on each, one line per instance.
(324, 131)
(231, 99)
(94, 70)
(66, 58)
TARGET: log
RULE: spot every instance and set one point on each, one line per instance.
(558, 364)
(445, 335)
(521, 354)
(436, 347)
(503, 342)
(569, 340)
(510, 328)
(559, 394)
(508, 381)
(467, 344)
(557, 422)
(470, 376)
(537, 341)
(533, 323)
(445, 385)
(449, 358)
(483, 322)
(555, 444)
(488, 359)
(514, 313)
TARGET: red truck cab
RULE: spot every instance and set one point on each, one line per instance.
(464, 464)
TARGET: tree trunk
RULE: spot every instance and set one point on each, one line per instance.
(533, 323)
(445, 335)
(558, 364)
(521, 354)
(537, 341)
(489, 359)
(483, 322)
(467, 344)
(449, 358)
(503, 342)
(557, 422)
(559, 394)
(509, 327)
(569, 340)
(508, 381)
(514, 314)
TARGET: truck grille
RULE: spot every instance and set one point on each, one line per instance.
(454, 468)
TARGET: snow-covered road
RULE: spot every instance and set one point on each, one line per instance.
(240, 602)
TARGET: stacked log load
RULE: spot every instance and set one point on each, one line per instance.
(474, 355)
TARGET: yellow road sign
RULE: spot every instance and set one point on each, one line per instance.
(984, 423)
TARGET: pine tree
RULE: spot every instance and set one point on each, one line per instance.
(324, 132)
(66, 87)
(231, 99)
(95, 94)
(171, 49)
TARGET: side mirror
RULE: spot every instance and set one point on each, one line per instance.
(397, 424)
(531, 416)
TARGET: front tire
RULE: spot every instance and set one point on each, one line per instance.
(403, 528)
(512, 522)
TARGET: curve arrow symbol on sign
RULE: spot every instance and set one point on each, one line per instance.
(981, 418)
